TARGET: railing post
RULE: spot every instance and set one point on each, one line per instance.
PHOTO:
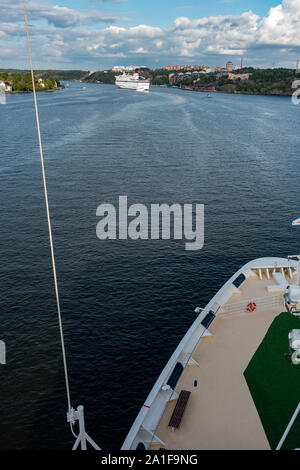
(81, 427)
(82, 437)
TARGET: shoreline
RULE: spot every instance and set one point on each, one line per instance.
(157, 86)
(198, 91)
(235, 93)
(28, 92)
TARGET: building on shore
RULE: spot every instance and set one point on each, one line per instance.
(229, 67)
(5, 87)
(237, 76)
(221, 69)
(208, 69)
(182, 67)
(127, 68)
(8, 87)
(181, 76)
(221, 74)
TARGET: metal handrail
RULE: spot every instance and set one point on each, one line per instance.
(261, 304)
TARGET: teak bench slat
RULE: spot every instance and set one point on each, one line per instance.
(179, 409)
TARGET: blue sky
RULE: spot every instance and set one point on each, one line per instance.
(163, 12)
(98, 34)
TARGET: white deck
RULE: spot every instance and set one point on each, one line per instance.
(220, 413)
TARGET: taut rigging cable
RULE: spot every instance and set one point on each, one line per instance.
(48, 214)
(82, 438)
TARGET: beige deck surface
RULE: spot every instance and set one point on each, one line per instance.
(220, 413)
(253, 288)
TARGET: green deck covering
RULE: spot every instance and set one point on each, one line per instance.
(275, 384)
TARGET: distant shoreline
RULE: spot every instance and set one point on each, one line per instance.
(29, 92)
(199, 91)
(245, 81)
(280, 95)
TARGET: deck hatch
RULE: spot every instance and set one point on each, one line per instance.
(175, 376)
(239, 280)
(141, 446)
(208, 319)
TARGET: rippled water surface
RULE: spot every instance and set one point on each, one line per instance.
(126, 304)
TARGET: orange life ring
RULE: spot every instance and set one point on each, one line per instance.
(251, 307)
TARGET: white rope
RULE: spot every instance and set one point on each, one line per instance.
(48, 214)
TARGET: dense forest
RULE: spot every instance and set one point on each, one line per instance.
(261, 82)
(105, 76)
(52, 74)
(62, 74)
(157, 77)
(21, 82)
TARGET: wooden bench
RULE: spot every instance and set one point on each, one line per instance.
(179, 409)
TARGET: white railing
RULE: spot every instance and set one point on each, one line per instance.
(289, 427)
(262, 303)
(154, 406)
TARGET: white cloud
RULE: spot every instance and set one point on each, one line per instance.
(61, 17)
(140, 50)
(281, 26)
(74, 38)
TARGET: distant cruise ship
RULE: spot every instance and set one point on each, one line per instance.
(132, 82)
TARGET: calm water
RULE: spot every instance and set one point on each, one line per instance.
(126, 304)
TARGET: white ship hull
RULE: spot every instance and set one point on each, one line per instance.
(132, 82)
(150, 429)
(133, 86)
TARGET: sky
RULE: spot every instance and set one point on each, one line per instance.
(99, 34)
